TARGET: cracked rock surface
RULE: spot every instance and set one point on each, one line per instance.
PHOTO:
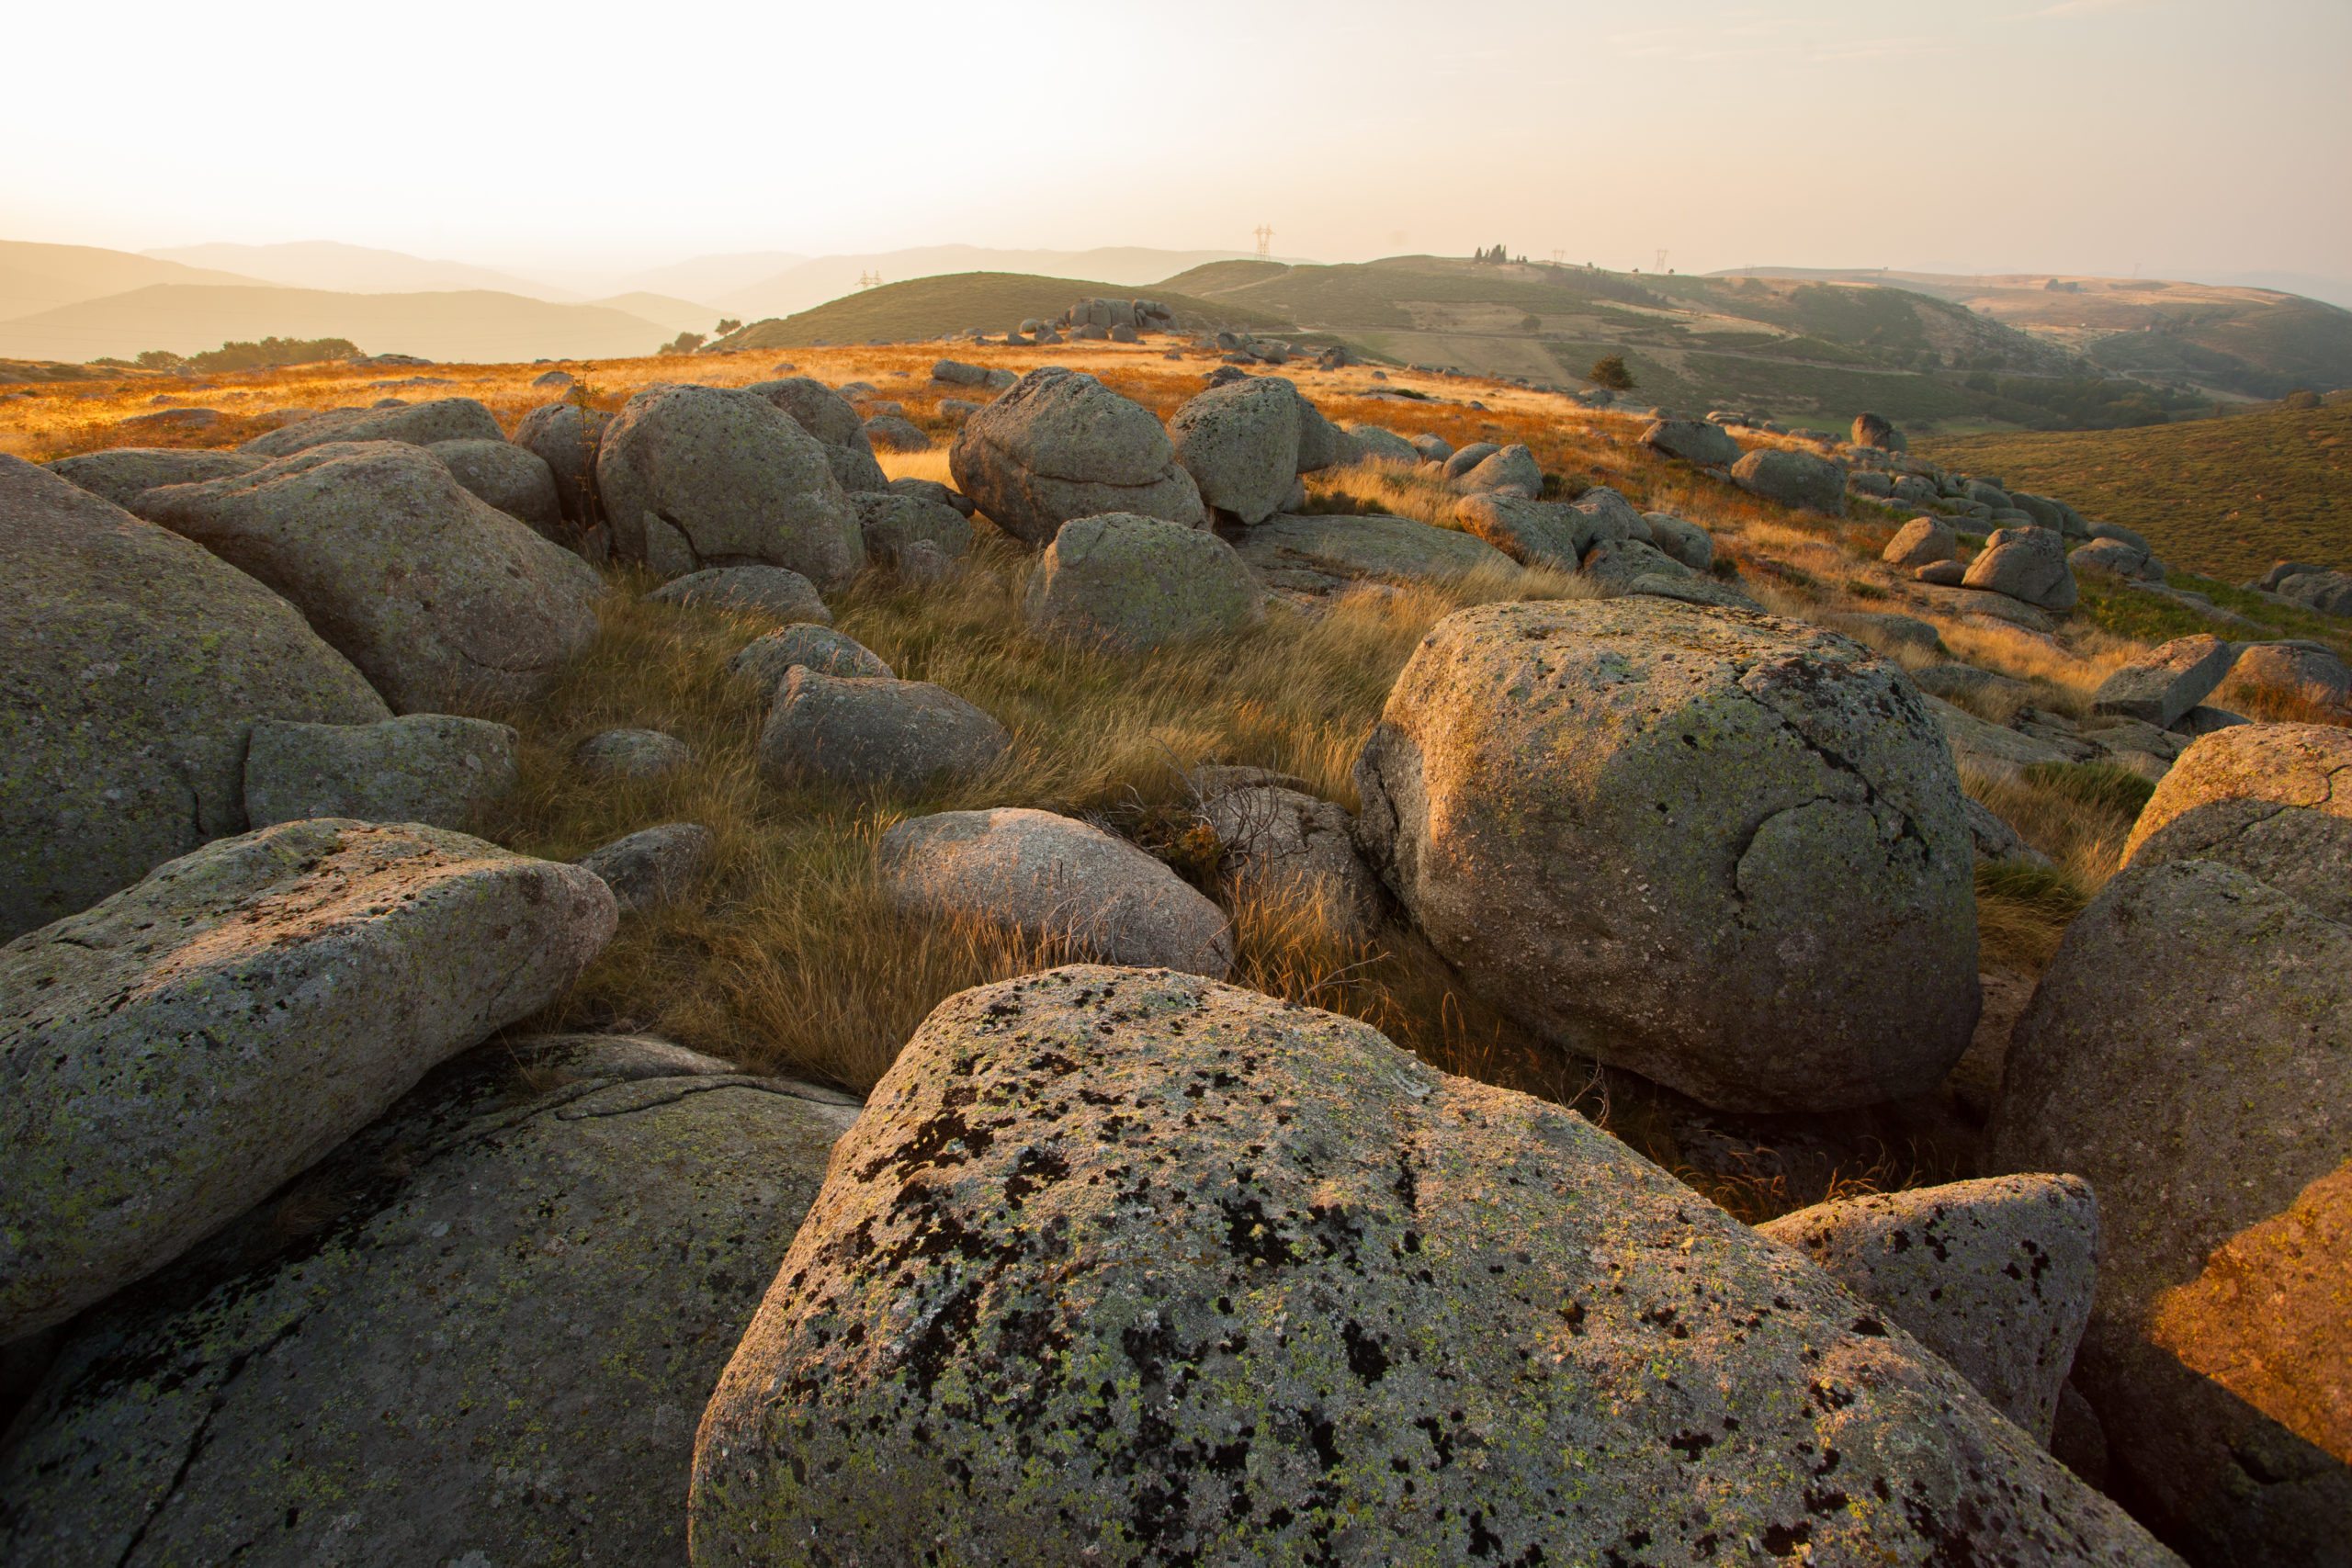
(437, 596)
(1724, 850)
(482, 1333)
(1124, 1265)
(2274, 800)
(133, 666)
(2189, 1053)
(175, 1053)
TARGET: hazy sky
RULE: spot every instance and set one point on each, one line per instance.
(2186, 136)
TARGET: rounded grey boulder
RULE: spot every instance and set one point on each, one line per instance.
(2274, 800)
(481, 1335)
(1691, 441)
(768, 659)
(1057, 882)
(1683, 541)
(178, 1051)
(697, 476)
(1923, 541)
(1648, 830)
(1135, 583)
(630, 754)
(833, 421)
(1375, 444)
(1508, 470)
(133, 666)
(2029, 564)
(123, 474)
(873, 731)
(653, 866)
(895, 519)
(434, 768)
(513, 478)
(1240, 444)
(1993, 1275)
(896, 432)
(772, 591)
(1285, 847)
(565, 437)
(439, 597)
(1793, 479)
(1463, 459)
(1059, 445)
(1130, 1267)
(2186, 1054)
(414, 424)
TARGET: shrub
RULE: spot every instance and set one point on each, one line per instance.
(1610, 371)
(685, 343)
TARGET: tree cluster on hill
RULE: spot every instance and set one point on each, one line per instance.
(1493, 253)
(268, 354)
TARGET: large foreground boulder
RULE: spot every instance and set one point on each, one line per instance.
(565, 437)
(1655, 832)
(1135, 583)
(123, 474)
(697, 476)
(175, 1053)
(1240, 444)
(1995, 1276)
(513, 478)
(1059, 445)
(2189, 1053)
(481, 1335)
(1793, 479)
(1133, 1268)
(434, 768)
(2274, 800)
(415, 424)
(133, 666)
(833, 421)
(439, 598)
(1054, 881)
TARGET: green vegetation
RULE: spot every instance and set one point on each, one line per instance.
(933, 307)
(1610, 371)
(2225, 496)
(267, 355)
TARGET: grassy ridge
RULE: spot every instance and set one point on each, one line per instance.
(2221, 496)
(997, 301)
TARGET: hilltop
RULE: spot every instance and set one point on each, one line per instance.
(2225, 496)
(2237, 342)
(806, 284)
(998, 301)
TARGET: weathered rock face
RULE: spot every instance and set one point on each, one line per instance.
(1993, 1275)
(1135, 583)
(1508, 470)
(894, 520)
(772, 591)
(872, 731)
(434, 768)
(481, 1333)
(125, 473)
(1684, 541)
(132, 668)
(652, 866)
(1693, 441)
(1875, 430)
(833, 421)
(2025, 563)
(767, 660)
(1923, 541)
(2324, 593)
(414, 424)
(2115, 558)
(1059, 445)
(630, 754)
(1377, 444)
(1464, 459)
(1285, 846)
(2166, 681)
(1240, 444)
(1534, 532)
(1053, 879)
(2274, 800)
(178, 1051)
(1322, 554)
(1433, 448)
(439, 597)
(2311, 671)
(1620, 567)
(896, 432)
(513, 478)
(696, 476)
(1131, 1267)
(565, 437)
(2189, 1053)
(1641, 828)
(1793, 479)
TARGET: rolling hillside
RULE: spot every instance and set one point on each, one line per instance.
(933, 307)
(2250, 342)
(2221, 496)
(476, 325)
(356, 269)
(1805, 353)
(35, 278)
(811, 283)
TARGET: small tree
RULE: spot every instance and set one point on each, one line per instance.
(685, 343)
(730, 325)
(1610, 371)
(159, 359)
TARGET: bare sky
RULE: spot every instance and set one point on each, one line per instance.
(2189, 136)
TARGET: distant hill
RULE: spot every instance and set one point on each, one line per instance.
(1806, 353)
(933, 307)
(663, 310)
(469, 325)
(2250, 343)
(35, 278)
(812, 282)
(2226, 497)
(712, 277)
(356, 269)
